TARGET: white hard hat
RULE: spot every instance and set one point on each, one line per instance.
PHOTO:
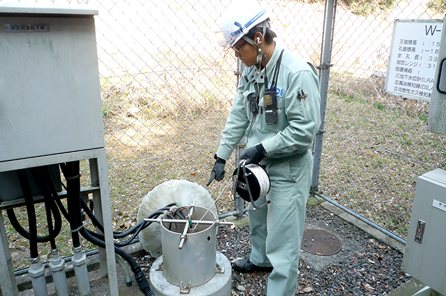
(238, 19)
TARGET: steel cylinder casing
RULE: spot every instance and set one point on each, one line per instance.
(195, 263)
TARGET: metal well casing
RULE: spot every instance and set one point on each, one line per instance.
(194, 264)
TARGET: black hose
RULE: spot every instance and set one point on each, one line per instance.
(72, 177)
(50, 224)
(59, 204)
(71, 172)
(139, 227)
(20, 230)
(119, 234)
(42, 177)
(140, 278)
(32, 221)
(16, 224)
(53, 232)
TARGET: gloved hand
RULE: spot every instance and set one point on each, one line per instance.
(218, 171)
(253, 154)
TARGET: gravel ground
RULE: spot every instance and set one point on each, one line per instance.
(374, 270)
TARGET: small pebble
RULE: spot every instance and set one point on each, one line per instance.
(241, 288)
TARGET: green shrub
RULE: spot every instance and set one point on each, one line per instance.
(366, 7)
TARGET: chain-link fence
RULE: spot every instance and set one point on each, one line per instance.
(375, 145)
(167, 88)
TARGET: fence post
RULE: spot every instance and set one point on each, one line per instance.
(327, 42)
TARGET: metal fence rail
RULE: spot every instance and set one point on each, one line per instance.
(167, 88)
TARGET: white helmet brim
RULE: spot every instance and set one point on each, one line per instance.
(237, 21)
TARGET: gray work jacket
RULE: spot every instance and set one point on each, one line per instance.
(298, 109)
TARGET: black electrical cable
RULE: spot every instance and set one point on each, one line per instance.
(116, 234)
(55, 213)
(73, 184)
(42, 177)
(72, 196)
(137, 229)
(119, 234)
(71, 172)
(16, 224)
(136, 269)
(75, 168)
(57, 200)
(32, 221)
(20, 230)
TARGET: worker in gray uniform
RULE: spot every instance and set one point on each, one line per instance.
(277, 111)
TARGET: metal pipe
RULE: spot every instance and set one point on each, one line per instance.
(233, 213)
(66, 259)
(186, 228)
(187, 221)
(37, 275)
(362, 218)
(57, 266)
(323, 89)
(80, 270)
(125, 269)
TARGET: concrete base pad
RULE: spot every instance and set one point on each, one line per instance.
(219, 285)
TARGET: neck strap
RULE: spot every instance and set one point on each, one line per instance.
(276, 73)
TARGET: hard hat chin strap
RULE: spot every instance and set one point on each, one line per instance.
(258, 64)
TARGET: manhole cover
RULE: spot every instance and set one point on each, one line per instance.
(320, 242)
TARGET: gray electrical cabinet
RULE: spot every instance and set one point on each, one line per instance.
(424, 255)
(50, 108)
(49, 82)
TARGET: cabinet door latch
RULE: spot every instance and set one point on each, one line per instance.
(420, 231)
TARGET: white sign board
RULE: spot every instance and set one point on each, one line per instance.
(413, 58)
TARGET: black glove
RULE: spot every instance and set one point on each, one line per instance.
(254, 154)
(218, 171)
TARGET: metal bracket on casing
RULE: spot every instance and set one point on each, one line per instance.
(220, 269)
(420, 231)
(183, 289)
(159, 267)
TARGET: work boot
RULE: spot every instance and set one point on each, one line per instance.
(246, 266)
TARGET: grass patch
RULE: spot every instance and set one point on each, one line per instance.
(379, 106)
(374, 151)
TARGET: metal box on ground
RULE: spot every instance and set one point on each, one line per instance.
(424, 255)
